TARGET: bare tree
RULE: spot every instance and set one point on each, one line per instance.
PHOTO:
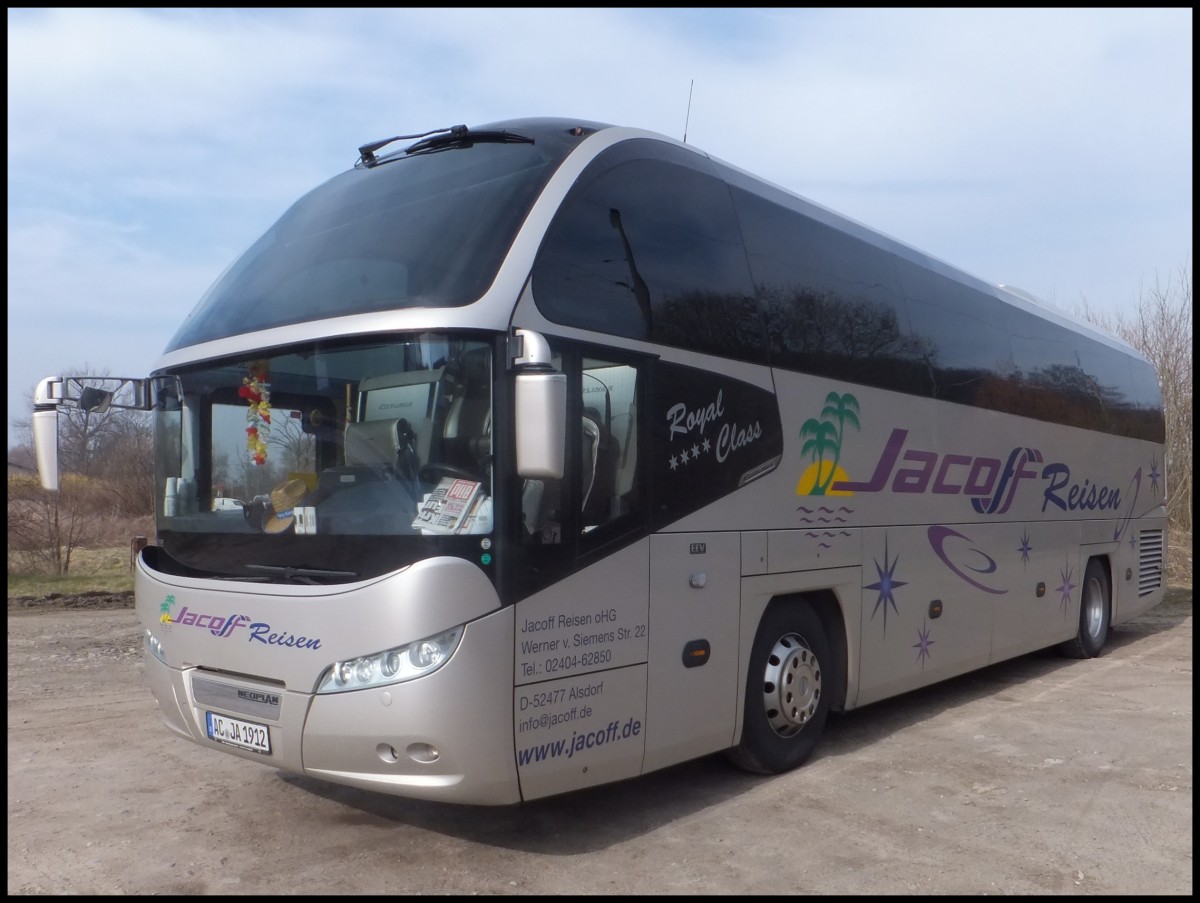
(1161, 329)
(45, 528)
(298, 447)
(122, 461)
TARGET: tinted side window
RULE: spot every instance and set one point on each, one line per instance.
(1144, 415)
(831, 302)
(841, 302)
(646, 246)
(964, 334)
(1068, 378)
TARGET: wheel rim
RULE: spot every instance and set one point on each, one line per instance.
(1093, 607)
(791, 685)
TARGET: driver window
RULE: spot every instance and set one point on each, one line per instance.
(601, 486)
(609, 442)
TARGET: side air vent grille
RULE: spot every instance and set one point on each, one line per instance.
(1150, 561)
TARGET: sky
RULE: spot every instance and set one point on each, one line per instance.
(1049, 149)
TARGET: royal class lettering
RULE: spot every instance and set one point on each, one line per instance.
(992, 482)
(681, 420)
(733, 437)
(257, 632)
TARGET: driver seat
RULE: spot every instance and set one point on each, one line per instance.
(373, 443)
(467, 431)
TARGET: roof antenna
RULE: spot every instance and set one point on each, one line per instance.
(689, 110)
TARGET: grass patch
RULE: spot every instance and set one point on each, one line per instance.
(92, 570)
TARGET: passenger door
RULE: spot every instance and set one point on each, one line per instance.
(693, 659)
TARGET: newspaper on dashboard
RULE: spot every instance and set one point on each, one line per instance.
(451, 507)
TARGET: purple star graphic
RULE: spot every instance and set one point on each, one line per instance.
(1025, 548)
(886, 585)
(922, 645)
(1066, 587)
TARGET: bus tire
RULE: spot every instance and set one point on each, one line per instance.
(787, 698)
(1095, 614)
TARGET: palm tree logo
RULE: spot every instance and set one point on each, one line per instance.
(823, 443)
(165, 609)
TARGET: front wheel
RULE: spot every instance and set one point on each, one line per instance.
(1095, 614)
(787, 691)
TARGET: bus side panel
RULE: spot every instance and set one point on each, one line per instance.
(927, 605)
(580, 731)
(692, 694)
(1039, 605)
(580, 676)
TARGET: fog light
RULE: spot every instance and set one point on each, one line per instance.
(387, 753)
(423, 753)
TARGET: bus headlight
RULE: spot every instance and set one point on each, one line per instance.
(391, 666)
(154, 644)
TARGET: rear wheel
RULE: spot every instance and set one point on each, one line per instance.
(1095, 614)
(786, 691)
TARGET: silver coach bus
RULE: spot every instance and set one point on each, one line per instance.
(533, 456)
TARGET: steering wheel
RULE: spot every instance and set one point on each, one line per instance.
(430, 472)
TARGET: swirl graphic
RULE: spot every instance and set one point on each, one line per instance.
(1123, 524)
(937, 540)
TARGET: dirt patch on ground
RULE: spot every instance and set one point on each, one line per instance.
(91, 601)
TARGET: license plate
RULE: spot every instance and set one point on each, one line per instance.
(239, 733)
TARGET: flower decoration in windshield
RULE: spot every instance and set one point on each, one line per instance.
(257, 391)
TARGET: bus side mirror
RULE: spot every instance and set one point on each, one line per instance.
(46, 399)
(90, 394)
(541, 410)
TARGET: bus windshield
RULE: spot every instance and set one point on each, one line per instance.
(426, 230)
(325, 462)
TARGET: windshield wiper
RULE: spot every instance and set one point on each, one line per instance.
(466, 138)
(439, 139)
(300, 575)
